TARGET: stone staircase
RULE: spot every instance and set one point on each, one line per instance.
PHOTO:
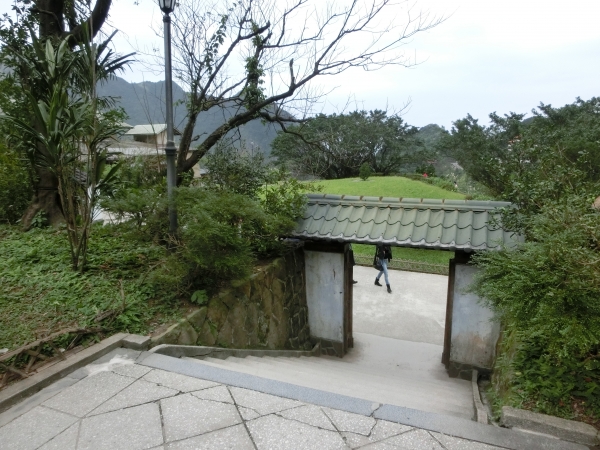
(378, 369)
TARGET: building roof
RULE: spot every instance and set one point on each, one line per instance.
(150, 129)
(404, 222)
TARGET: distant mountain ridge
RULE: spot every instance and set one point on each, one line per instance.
(144, 103)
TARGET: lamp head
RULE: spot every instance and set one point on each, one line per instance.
(167, 6)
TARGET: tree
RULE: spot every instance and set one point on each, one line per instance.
(336, 146)
(546, 290)
(259, 57)
(70, 130)
(535, 161)
(53, 19)
(485, 152)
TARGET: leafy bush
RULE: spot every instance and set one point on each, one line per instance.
(235, 215)
(365, 171)
(15, 185)
(216, 235)
(236, 171)
(426, 168)
(142, 171)
(434, 181)
(139, 195)
(442, 183)
(547, 292)
(146, 208)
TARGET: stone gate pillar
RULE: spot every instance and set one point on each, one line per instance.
(329, 295)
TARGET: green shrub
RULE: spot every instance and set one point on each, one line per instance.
(434, 181)
(442, 183)
(146, 208)
(365, 171)
(222, 233)
(426, 168)
(216, 235)
(15, 185)
(236, 171)
(142, 171)
(548, 293)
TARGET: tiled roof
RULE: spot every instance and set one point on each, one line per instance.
(151, 129)
(404, 222)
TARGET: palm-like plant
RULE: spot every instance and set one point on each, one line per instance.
(69, 133)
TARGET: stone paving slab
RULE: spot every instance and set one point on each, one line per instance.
(120, 405)
(89, 393)
(355, 423)
(262, 403)
(134, 428)
(310, 415)
(231, 438)
(216, 394)
(280, 389)
(34, 428)
(137, 393)
(276, 433)
(176, 381)
(37, 399)
(185, 416)
(382, 430)
(17, 392)
(473, 431)
(67, 440)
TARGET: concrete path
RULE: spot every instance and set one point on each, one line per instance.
(414, 311)
(120, 404)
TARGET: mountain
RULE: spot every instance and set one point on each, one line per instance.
(145, 103)
(431, 135)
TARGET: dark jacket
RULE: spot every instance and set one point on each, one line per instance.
(383, 252)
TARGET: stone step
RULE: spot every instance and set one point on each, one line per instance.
(379, 369)
(394, 373)
(335, 368)
(340, 364)
(375, 387)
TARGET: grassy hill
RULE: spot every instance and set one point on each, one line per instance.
(387, 187)
(394, 187)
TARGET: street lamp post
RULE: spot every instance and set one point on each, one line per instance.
(167, 6)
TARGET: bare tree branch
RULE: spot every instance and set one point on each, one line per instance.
(260, 58)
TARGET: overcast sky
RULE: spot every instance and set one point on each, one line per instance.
(489, 55)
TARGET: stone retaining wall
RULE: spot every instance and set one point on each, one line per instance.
(267, 311)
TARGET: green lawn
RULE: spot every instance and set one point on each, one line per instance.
(386, 187)
(394, 187)
(411, 254)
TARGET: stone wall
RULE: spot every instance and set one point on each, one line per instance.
(267, 311)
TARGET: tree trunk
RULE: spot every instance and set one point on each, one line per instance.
(44, 199)
(185, 144)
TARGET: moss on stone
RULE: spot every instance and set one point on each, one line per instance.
(197, 318)
(187, 334)
(208, 334)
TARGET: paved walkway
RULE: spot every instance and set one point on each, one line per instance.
(414, 311)
(117, 404)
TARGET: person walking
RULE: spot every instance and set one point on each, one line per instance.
(384, 254)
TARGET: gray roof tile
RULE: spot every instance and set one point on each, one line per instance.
(408, 222)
